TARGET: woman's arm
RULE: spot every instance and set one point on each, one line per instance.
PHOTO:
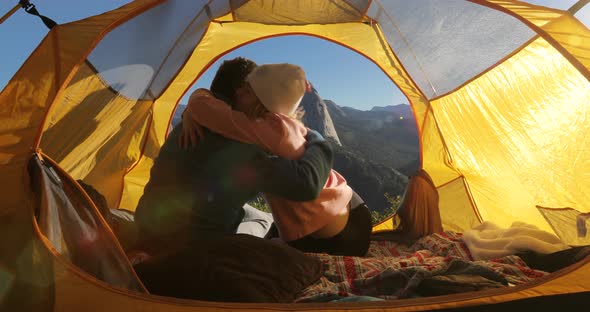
(274, 133)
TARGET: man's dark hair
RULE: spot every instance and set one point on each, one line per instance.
(230, 76)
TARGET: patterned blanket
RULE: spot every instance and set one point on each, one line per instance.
(393, 271)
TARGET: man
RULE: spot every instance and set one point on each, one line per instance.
(333, 223)
(198, 193)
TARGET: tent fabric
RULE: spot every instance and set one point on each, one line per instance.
(524, 150)
(298, 13)
(76, 229)
(561, 220)
(97, 151)
(497, 137)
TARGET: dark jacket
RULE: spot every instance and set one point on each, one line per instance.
(199, 193)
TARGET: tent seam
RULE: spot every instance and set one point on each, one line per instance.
(409, 47)
(174, 46)
(577, 6)
(443, 141)
(190, 85)
(391, 55)
(448, 153)
(232, 10)
(471, 200)
(366, 10)
(428, 111)
(449, 182)
(141, 153)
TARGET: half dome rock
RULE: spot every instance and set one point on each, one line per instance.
(317, 116)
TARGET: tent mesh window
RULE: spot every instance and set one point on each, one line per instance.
(428, 46)
(139, 58)
(75, 229)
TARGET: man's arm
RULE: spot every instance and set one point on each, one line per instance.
(219, 117)
(301, 179)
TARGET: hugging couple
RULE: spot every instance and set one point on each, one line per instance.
(241, 138)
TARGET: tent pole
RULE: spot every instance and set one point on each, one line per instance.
(9, 13)
(577, 6)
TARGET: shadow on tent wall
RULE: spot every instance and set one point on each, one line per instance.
(84, 132)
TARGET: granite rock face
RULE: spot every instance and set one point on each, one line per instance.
(317, 116)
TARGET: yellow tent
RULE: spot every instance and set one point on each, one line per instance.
(499, 90)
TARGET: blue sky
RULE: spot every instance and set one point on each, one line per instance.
(339, 74)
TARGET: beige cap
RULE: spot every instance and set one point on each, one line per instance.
(280, 87)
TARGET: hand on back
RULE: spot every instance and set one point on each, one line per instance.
(192, 133)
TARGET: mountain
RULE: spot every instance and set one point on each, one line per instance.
(384, 136)
(402, 110)
(374, 150)
(369, 179)
(318, 117)
(411, 168)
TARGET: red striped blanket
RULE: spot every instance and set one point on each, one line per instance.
(392, 270)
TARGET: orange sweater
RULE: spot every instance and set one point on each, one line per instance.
(283, 136)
